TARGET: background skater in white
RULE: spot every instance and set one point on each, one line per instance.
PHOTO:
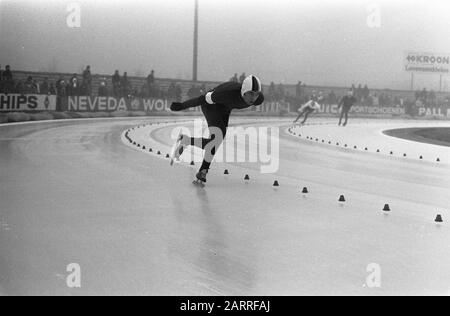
(306, 109)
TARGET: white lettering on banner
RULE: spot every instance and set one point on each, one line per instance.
(434, 112)
(333, 109)
(159, 105)
(27, 102)
(102, 103)
(148, 105)
(112, 104)
(82, 106)
(155, 104)
(122, 105)
(427, 62)
(84, 103)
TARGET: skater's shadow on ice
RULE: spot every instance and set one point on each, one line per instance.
(229, 274)
(218, 256)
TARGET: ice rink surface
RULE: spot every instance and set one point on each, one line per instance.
(77, 192)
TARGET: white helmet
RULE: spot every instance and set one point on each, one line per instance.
(251, 83)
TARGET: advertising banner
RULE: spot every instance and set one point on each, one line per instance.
(148, 105)
(359, 109)
(442, 112)
(27, 102)
(427, 62)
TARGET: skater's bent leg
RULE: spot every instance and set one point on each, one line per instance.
(217, 119)
(306, 117)
(346, 117)
(299, 116)
(210, 145)
(342, 115)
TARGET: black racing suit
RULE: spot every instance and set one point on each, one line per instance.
(216, 106)
(346, 103)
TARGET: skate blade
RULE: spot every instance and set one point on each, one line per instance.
(174, 160)
(173, 151)
(198, 183)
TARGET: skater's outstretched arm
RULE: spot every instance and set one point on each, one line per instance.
(180, 106)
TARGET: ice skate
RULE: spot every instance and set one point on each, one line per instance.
(201, 177)
(177, 149)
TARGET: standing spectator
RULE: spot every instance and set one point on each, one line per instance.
(332, 99)
(7, 80)
(346, 103)
(242, 77)
(272, 91)
(29, 87)
(416, 95)
(171, 91)
(124, 83)
(74, 85)
(61, 87)
(365, 93)
(36, 86)
(145, 91)
(424, 95)
(432, 97)
(19, 88)
(87, 80)
(51, 89)
(320, 97)
(151, 79)
(44, 89)
(375, 100)
(116, 83)
(359, 93)
(298, 90)
(234, 78)
(178, 92)
(7, 74)
(84, 89)
(447, 101)
(102, 88)
(280, 92)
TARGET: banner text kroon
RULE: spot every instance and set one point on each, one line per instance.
(27, 102)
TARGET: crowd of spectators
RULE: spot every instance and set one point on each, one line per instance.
(120, 86)
(81, 85)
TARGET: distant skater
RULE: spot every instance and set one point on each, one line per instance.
(346, 102)
(308, 108)
(216, 106)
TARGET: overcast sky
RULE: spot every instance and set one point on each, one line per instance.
(318, 42)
